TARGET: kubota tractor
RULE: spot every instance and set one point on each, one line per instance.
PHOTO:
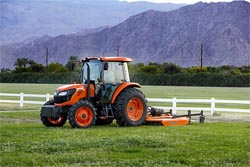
(105, 93)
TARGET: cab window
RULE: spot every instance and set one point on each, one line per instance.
(95, 70)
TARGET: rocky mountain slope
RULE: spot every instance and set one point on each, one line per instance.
(28, 19)
(153, 36)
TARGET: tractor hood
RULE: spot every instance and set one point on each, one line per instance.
(69, 87)
(70, 94)
(69, 90)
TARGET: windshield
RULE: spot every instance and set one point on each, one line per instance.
(117, 72)
(95, 68)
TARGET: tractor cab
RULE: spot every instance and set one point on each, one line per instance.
(106, 74)
(106, 70)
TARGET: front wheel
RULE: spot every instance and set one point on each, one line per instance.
(51, 121)
(54, 122)
(130, 108)
(82, 115)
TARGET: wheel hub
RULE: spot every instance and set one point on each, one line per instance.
(135, 109)
(83, 116)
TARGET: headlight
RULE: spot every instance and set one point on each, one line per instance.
(62, 93)
(69, 92)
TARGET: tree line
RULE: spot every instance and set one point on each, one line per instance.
(23, 65)
(174, 75)
(28, 71)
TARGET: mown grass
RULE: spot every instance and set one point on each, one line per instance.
(28, 88)
(25, 142)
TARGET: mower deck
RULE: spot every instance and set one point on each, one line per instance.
(159, 117)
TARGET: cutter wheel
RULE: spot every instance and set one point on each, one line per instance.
(159, 117)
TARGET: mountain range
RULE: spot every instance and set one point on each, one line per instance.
(26, 20)
(223, 29)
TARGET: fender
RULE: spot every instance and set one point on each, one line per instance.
(121, 87)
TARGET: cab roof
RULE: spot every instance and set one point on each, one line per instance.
(109, 59)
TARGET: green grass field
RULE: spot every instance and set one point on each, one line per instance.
(24, 141)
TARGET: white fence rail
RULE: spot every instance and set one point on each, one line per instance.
(212, 103)
(21, 100)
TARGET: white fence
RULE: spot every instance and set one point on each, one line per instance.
(173, 103)
(212, 103)
(22, 101)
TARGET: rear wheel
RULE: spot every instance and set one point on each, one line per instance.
(130, 108)
(82, 115)
(51, 121)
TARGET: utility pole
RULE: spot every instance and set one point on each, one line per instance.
(201, 56)
(47, 58)
(118, 51)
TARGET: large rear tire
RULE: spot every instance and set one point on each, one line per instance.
(82, 115)
(130, 108)
(54, 122)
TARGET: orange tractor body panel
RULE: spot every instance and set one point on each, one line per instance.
(81, 92)
(116, 59)
(121, 87)
(110, 59)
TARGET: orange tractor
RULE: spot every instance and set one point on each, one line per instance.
(105, 94)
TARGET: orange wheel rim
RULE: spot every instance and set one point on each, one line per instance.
(135, 109)
(84, 116)
(56, 121)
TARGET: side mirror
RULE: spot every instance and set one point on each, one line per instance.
(106, 66)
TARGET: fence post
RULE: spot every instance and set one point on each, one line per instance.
(47, 97)
(174, 106)
(21, 100)
(212, 106)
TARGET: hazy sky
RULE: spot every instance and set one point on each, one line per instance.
(182, 1)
